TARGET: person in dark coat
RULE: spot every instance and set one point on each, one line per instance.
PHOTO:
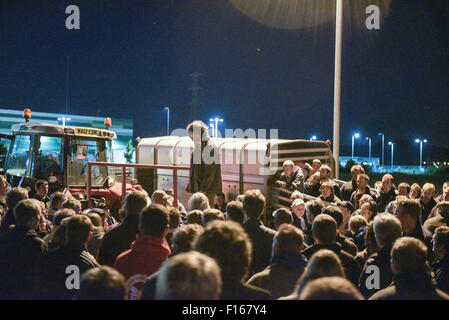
(440, 268)
(408, 211)
(349, 187)
(387, 193)
(362, 189)
(412, 279)
(440, 219)
(345, 242)
(41, 188)
(312, 185)
(205, 167)
(230, 246)
(324, 232)
(327, 193)
(387, 229)
(427, 201)
(119, 238)
(292, 178)
(21, 252)
(13, 197)
(325, 176)
(70, 259)
(261, 237)
(287, 264)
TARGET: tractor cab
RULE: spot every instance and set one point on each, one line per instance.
(58, 154)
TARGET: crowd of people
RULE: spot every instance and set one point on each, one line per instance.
(347, 242)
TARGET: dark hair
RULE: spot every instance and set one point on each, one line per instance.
(153, 220)
(229, 245)
(135, 202)
(324, 228)
(314, 207)
(25, 210)
(184, 238)
(442, 237)
(410, 207)
(221, 194)
(15, 195)
(234, 210)
(174, 218)
(253, 203)
(39, 183)
(335, 213)
(56, 199)
(282, 216)
(289, 238)
(195, 216)
(210, 215)
(78, 229)
(102, 283)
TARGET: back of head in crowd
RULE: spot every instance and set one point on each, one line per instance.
(324, 229)
(234, 212)
(78, 231)
(189, 276)
(330, 288)
(159, 197)
(27, 213)
(198, 201)
(282, 216)
(335, 213)
(253, 203)
(441, 242)
(184, 238)
(210, 215)
(409, 255)
(56, 200)
(72, 203)
(153, 220)
(356, 223)
(174, 218)
(195, 216)
(387, 228)
(313, 208)
(14, 196)
(229, 245)
(102, 283)
(61, 215)
(135, 202)
(288, 239)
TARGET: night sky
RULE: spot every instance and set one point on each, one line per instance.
(132, 58)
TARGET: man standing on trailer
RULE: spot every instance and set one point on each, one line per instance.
(205, 168)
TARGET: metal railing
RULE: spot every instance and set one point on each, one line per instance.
(305, 197)
(123, 167)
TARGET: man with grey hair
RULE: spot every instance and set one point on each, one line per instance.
(189, 276)
(387, 228)
(198, 201)
(412, 278)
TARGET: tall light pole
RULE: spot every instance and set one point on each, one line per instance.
(168, 120)
(213, 130)
(216, 121)
(337, 84)
(420, 150)
(392, 153)
(383, 148)
(357, 135)
(64, 119)
(313, 138)
(369, 142)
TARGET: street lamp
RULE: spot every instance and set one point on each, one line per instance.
(313, 138)
(64, 119)
(383, 147)
(212, 127)
(216, 120)
(356, 136)
(369, 141)
(420, 150)
(392, 152)
(168, 120)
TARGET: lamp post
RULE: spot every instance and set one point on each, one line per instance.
(216, 121)
(64, 119)
(420, 150)
(354, 136)
(313, 138)
(337, 83)
(369, 142)
(168, 120)
(392, 153)
(383, 148)
(212, 127)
